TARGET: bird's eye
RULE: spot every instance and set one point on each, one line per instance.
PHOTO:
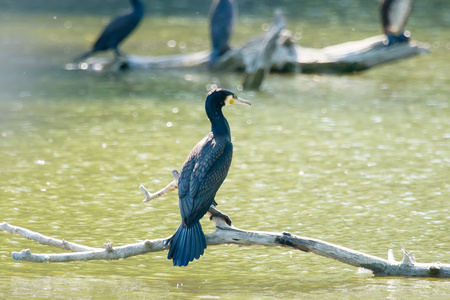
(229, 100)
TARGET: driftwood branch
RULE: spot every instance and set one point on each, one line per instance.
(356, 55)
(260, 64)
(80, 252)
(44, 240)
(255, 57)
(170, 187)
(225, 234)
(277, 51)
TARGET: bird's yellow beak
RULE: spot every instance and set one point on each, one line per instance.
(240, 101)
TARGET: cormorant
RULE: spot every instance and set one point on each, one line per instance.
(394, 14)
(221, 20)
(117, 30)
(202, 174)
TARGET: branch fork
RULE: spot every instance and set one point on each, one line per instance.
(170, 187)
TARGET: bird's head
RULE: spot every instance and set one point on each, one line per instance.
(220, 97)
(217, 99)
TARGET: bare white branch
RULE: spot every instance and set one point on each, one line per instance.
(149, 196)
(108, 253)
(109, 246)
(225, 234)
(170, 187)
(44, 240)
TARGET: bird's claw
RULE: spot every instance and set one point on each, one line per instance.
(217, 213)
(224, 217)
(227, 219)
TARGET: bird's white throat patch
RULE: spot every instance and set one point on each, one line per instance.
(229, 100)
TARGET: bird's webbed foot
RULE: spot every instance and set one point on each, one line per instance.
(217, 213)
(168, 242)
(395, 39)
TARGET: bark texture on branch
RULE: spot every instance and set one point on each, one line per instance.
(225, 234)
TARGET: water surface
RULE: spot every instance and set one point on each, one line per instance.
(359, 160)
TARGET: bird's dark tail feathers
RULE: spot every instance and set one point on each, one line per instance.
(186, 244)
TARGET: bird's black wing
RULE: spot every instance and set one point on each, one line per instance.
(202, 174)
(211, 184)
(117, 30)
(222, 19)
(188, 168)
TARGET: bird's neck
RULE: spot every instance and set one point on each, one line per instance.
(219, 125)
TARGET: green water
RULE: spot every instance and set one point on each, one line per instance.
(361, 161)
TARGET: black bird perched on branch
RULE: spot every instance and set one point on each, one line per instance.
(394, 14)
(221, 22)
(200, 178)
(117, 30)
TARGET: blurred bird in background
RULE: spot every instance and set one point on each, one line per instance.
(394, 14)
(116, 31)
(222, 16)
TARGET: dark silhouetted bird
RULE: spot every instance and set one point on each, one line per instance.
(394, 14)
(117, 30)
(221, 21)
(200, 178)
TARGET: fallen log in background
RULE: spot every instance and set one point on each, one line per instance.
(276, 51)
(287, 57)
(355, 56)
